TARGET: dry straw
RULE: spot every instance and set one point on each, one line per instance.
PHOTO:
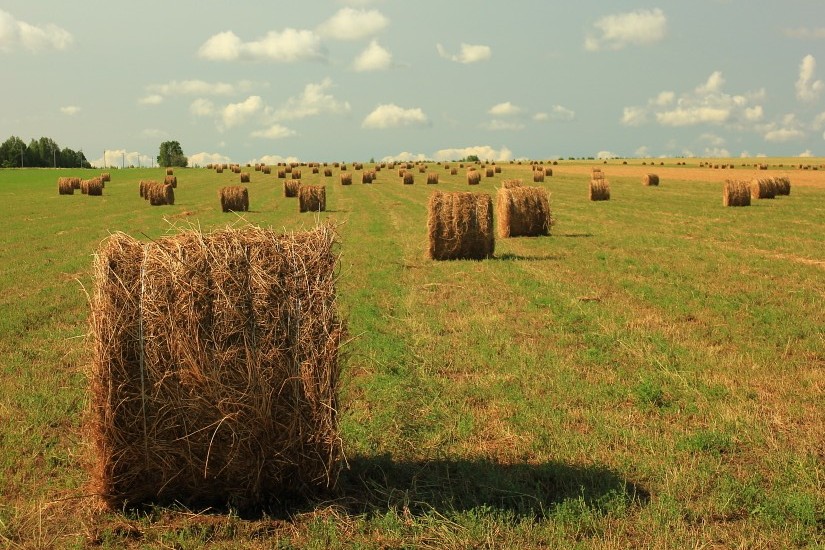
(650, 179)
(281, 174)
(367, 176)
(548, 172)
(782, 185)
(538, 176)
(599, 190)
(291, 188)
(296, 174)
(92, 187)
(64, 186)
(736, 193)
(219, 169)
(327, 172)
(171, 180)
(510, 184)
(105, 176)
(473, 177)
(409, 178)
(523, 211)
(169, 172)
(763, 188)
(312, 198)
(346, 178)
(160, 194)
(453, 171)
(460, 226)
(214, 374)
(490, 172)
(432, 178)
(497, 169)
(245, 177)
(234, 198)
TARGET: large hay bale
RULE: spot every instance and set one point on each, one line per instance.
(409, 177)
(510, 184)
(523, 211)
(599, 190)
(490, 172)
(296, 174)
(215, 370)
(291, 188)
(782, 184)
(538, 176)
(548, 172)
(169, 172)
(650, 179)
(64, 186)
(93, 187)
(104, 177)
(460, 226)
(346, 178)
(432, 178)
(367, 176)
(160, 194)
(234, 198)
(245, 177)
(312, 198)
(473, 177)
(171, 180)
(763, 188)
(736, 193)
(75, 183)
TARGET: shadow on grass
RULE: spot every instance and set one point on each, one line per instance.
(574, 235)
(509, 256)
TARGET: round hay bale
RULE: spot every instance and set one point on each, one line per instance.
(650, 179)
(782, 185)
(490, 172)
(460, 226)
(432, 178)
(160, 194)
(523, 211)
(473, 177)
(497, 169)
(538, 176)
(234, 198)
(64, 186)
(291, 188)
(169, 171)
(219, 169)
(244, 177)
(510, 184)
(266, 169)
(453, 171)
(312, 198)
(367, 176)
(327, 172)
(171, 180)
(346, 178)
(315, 170)
(736, 193)
(548, 172)
(105, 176)
(599, 190)
(409, 177)
(94, 187)
(762, 188)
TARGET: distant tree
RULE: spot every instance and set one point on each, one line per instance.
(471, 158)
(171, 154)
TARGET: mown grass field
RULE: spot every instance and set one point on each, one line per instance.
(651, 375)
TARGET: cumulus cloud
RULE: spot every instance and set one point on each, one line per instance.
(639, 28)
(754, 114)
(286, 46)
(541, 117)
(506, 125)
(274, 159)
(805, 33)
(203, 158)
(276, 131)
(504, 109)
(35, 38)
(712, 139)
(805, 154)
(561, 113)
(373, 58)
(70, 110)
(713, 84)
(393, 116)
(202, 107)
(121, 157)
(198, 87)
(605, 155)
(717, 152)
(781, 135)
(470, 53)
(151, 99)
(691, 116)
(819, 121)
(634, 116)
(238, 113)
(312, 102)
(484, 152)
(808, 89)
(406, 156)
(353, 24)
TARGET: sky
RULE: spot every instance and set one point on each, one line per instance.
(346, 80)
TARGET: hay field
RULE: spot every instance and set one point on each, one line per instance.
(650, 375)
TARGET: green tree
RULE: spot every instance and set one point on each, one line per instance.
(171, 154)
(471, 158)
(10, 152)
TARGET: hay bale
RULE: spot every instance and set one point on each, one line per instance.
(548, 172)
(296, 174)
(315, 170)
(219, 169)
(93, 187)
(171, 180)
(599, 190)
(357, 166)
(401, 172)
(538, 176)
(763, 188)
(64, 186)
(782, 184)
(510, 184)
(327, 172)
(736, 193)
(497, 169)
(169, 172)
(234, 198)
(245, 177)
(490, 172)
(75, 183)
(367, 176)
(104, 177)
(312, 198)
(160, 194)
(266, 170)
(422, 169)
(460, 226)
(281, 174)
(257, 167)
(346, 178)
(291, 188)
(409, 178)
(214, 374)
(650, 179)
(473, 177)
(453, 171)
(432, 178)
(523, 211)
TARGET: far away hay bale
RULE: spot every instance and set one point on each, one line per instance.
(432, 178)
(312, 198)
(736, 193)
(367, 176)
(93, 187)
(782, 185)
(473, 177)
(234, 198)
(497, 169)
(763, 188)
(327, 172)
(346, 178)
(244, 177)
(291, 187)
(453, 171)
(171, 180)
(650, 179)
(105, 176)
(281, 174)
(538, 176)
(510, 184)
(599, 190)
(490, 172)
(266, 169)
(169, 172)
(64, 186)
(214, 371)
(460, 226)
(409, 177)
(296, 174)
(523, 211)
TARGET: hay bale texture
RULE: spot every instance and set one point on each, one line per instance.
(291, 188)
(64, 186)
(782, 184)
(650, 179)
(736, 193)
(523, 211)
(473, 177)
(432, 178)
(234, 198)
(510, 184)
(599, 190)
(214, 371)
(244, 177)
(171, 180)
(312, 198)
(460, 226)
(346, 178)
(763, 188)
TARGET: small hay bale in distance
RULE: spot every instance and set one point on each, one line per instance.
(64, 186)
(219, 169)
(497, 169)
(244, 177)
(432, 178)
(548, 172)
(538, 176)
(599, 190)
(171, 180)
(409, 177)
(460, 226)
(282, 174)
(312, 198)
(346, 178)
(296, 174)
(650, 179)
(169, 171)
(367, 176)
(490, 172)
(422, 169)
(291, 188)
(266, 170)
(473, 177)
(736, 193)
(214, 372)
(315, 169)
(510, 184)
(105, 176)
(327, 172)
(763, 188)
(523, 212)
(453, 171)
(234, 198)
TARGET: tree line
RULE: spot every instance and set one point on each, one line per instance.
(40, 153)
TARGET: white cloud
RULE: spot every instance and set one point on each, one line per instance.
(406, 157)
(238, 113)
(819, 121)
(202, 107)
(276, 131)
(712, 139)
(642, 151)
(120, 157)
(712, 85)
(152, 99)
(781, 135)
(808, 89)
(202, 159)
(605, 155)
(373, 58)
(274, 159)
(507, 125)
(664, 99)
(755, 113)
(470, 53)
(614, 32)
(70, 110)
(312, 102)
(286, 46)
(393, 116)
(35, 38)
(198, 87)
(717, 152)
(352, 24)
(744, 155)
(484, 152)
(541, 117)
(805, 154)
(504, 109)
(634, 116)
(692, 116)
(805, 33)
(562, 113)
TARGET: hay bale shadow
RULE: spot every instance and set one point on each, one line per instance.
(509, 256)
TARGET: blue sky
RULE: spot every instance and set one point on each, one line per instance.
(351, 80)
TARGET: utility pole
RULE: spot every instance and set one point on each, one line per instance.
(122, 159)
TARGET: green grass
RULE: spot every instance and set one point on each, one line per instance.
(651, 375)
